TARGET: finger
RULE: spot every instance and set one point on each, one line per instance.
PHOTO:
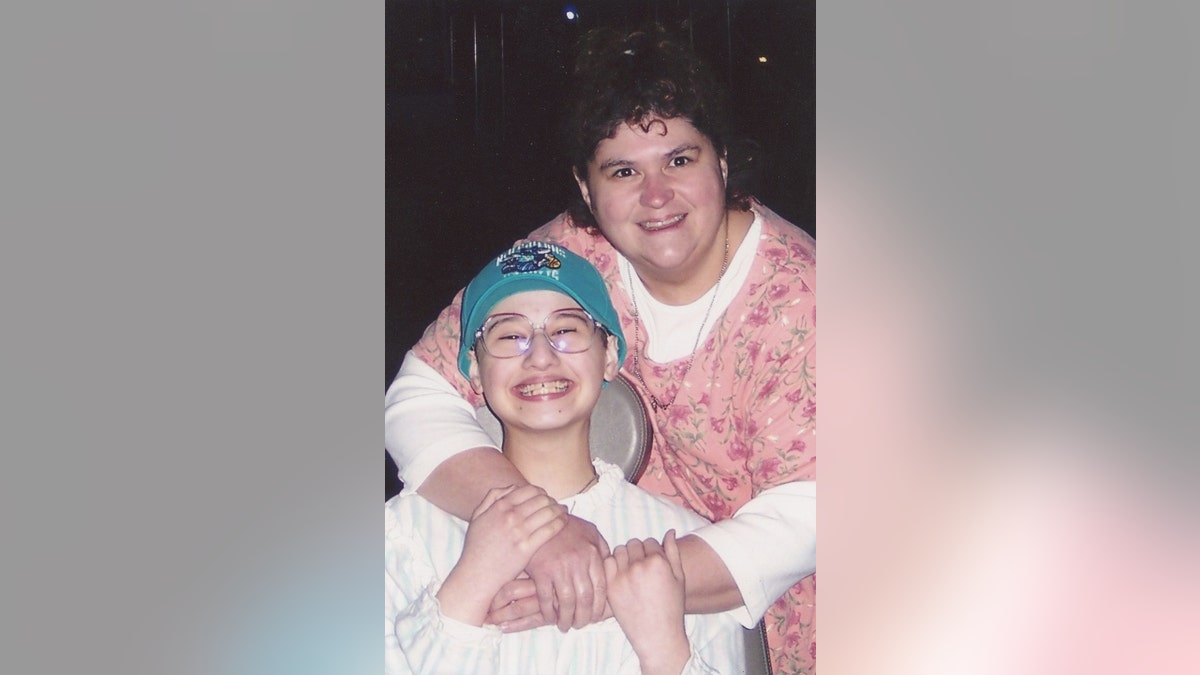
(541, 507)
(599, 586)
(527, 622)
(636, 550)
(671, 549)
(584, 599)
(601, 545)
(531, 495)
(652, 547)
(544, 533)
(545, 598)
(621, 556)
(515, 591)
(565, 594)
(490, 498)
(542, 516)
(611, 569)
(519, 614)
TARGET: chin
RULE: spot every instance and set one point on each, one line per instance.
(547, 422)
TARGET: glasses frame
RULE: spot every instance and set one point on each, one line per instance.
(479, 342)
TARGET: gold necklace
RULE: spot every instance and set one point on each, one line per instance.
(637, 332)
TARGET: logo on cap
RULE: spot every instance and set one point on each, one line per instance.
(529, 258)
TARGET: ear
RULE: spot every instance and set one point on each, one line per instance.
(724, 170)
(610, 360)
(476, 383)
(583, 189)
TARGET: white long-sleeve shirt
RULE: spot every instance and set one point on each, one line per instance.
(423, 543)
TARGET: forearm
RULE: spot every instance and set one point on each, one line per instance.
(709, 585)
(780, 520)
(464, 599)
(427, 421)
(432, 433)
(459, 484)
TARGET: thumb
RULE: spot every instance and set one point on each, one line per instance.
(610, 569)
(494, 495)
(672, 550)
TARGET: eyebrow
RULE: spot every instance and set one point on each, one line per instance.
(678, 150)
(509, 315)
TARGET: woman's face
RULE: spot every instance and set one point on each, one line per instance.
(658, 195)
(543, 389)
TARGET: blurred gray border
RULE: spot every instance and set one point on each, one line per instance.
(192, 273)
(192, 258)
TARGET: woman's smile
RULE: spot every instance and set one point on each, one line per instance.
(657, 225)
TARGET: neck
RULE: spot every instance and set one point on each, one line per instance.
(689, 285)
(559, 462)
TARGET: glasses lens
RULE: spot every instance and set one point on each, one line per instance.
(508, 335)
(570, 331)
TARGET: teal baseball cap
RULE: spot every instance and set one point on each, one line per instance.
(535, 266)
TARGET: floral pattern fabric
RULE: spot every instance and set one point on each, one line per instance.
(744, 417)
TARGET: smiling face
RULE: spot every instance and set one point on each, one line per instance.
(543, 389)
(657, 191)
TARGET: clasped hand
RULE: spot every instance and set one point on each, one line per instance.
(572, 581)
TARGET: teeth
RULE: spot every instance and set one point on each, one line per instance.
(543, 388)
(659, 224)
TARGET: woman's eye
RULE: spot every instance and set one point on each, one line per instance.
(623, 173)
(681, 161)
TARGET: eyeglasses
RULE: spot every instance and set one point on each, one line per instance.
(568, 331)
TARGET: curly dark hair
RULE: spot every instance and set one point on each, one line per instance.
(628, 77)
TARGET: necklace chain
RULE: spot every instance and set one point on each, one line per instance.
(590, 483)
(637, 333)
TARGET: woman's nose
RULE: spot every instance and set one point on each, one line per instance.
(656, 191)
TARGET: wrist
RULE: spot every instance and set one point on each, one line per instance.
(462, 599)
(665, 659)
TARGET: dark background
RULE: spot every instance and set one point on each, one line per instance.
(473, 94)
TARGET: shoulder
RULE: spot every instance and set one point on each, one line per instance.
(784, 278)
(588, 244)
(785, 246)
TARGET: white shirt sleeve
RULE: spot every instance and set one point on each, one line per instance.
(782, 520)
(717, 644)
(426, 421)
(418, 638)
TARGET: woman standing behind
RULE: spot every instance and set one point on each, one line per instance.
(718, 293)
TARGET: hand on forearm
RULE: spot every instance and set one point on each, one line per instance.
(460, 483)
(710, 588)
(505, 530)
(515, 607)
(568, 572)
(645, 590)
